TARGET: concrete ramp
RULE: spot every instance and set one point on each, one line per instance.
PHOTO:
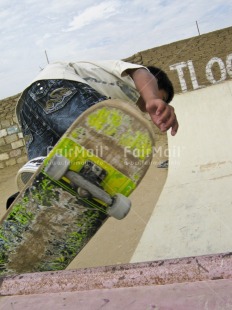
(193, 215)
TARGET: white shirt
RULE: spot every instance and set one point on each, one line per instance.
(107, 77)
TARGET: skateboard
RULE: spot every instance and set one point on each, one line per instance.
(85, 178)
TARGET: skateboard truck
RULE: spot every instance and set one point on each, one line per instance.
(58, 167)
(93, 172)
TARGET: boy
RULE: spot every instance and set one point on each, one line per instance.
(62, 91)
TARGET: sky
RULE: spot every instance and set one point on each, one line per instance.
(73, 30)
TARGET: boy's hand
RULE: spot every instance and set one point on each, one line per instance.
(162, 115)
(152, 100)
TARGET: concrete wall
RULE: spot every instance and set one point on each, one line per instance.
(12, 149)
(193, 63)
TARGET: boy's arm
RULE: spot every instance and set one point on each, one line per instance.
(152, 100)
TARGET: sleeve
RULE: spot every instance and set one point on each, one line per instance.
(121, 67)
(117, 67)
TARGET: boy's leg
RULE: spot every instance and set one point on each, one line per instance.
(49, 108)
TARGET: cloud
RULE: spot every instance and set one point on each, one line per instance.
(94, 29)
(93, 14)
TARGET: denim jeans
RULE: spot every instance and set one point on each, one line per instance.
(49, 108)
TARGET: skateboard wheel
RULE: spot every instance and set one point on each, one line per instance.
(120, 207)
(57, 167)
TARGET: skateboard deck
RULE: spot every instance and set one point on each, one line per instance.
(84, 179)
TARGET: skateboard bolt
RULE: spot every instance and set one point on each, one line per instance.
(83, 192)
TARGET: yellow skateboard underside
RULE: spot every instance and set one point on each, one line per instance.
(115, 139)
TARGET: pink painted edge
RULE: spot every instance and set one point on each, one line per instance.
(162, 272)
